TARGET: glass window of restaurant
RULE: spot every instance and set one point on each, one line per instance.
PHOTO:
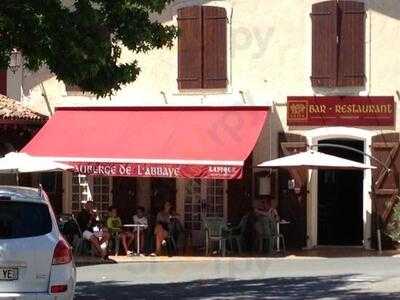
(97, 188)
(203, 198)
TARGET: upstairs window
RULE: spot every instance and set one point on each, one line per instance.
(202, 48)
(338, 44)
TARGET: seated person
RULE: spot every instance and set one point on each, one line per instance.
(176, 227)
(271, 211)
(114, 225)
(249, 228)
(161, 230)
(265, 208)
(141, 219)
(92, 231)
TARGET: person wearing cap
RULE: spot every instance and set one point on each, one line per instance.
(88, 222)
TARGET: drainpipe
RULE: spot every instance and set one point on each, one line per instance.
(46, 99)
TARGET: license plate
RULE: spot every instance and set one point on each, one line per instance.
(8, 274)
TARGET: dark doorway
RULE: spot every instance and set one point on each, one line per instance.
(52, 184)
(340, 198)
(163, 189)
(124, 197)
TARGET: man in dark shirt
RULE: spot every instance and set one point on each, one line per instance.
(89, 224)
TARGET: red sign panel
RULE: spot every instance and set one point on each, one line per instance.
(157, 170)
(341, 111)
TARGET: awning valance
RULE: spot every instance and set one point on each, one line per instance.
(187, 142)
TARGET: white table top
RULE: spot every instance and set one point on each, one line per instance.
(134, 225)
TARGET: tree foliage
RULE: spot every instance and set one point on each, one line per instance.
(393, 226)
(81, 40)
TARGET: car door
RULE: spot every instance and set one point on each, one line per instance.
(27, 242)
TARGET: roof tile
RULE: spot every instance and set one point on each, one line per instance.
(14, 110)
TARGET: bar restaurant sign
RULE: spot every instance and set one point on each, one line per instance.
(341, 111)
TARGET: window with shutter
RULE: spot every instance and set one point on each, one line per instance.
(324, 44)
(190, 48)
(3, 82)
(214, 47)
(202, 48)
(338, 38)
(351, 43)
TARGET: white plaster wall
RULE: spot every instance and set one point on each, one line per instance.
(270, 59)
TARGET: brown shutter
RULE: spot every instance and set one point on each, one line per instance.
(351, 67)
(190, 48)
(324, 44)
(214, 47)
(293, 203)
(385, 185)
(3, 82)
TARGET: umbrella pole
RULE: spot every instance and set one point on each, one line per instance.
(17, 177)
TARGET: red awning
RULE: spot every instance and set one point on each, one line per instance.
(188, 142)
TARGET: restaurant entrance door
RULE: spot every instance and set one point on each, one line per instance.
(340, 198)
(203, 198)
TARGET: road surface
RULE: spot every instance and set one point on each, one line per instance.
(309, 278)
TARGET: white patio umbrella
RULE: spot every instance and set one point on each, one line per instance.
(314, 160)
(18, 162)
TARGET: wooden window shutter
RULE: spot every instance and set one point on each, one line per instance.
(190, 48)
(214, 47)
(324, 44)
(351, 66)
(3, 82)
(385, 184)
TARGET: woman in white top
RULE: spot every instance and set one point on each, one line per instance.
(141, 219)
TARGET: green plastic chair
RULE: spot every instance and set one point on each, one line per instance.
(216, 231)
(265, 234)
(237, 234)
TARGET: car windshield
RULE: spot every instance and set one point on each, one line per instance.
(23, 219)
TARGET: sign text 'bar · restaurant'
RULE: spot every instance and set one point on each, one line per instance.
(341, 111)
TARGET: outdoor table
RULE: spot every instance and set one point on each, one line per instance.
(278, 232)
(136, 226)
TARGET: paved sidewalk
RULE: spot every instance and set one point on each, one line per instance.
(320, 253)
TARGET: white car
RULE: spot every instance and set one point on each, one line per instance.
(36, 262)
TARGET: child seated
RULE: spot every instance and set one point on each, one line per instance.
(114, 225)
(141, 219)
